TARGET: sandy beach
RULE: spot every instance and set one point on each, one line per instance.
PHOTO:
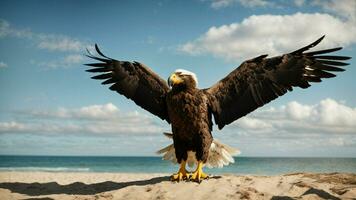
(50, 185)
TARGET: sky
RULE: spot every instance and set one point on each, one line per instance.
(50, 106)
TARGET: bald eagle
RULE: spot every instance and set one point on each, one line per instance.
(189, 110)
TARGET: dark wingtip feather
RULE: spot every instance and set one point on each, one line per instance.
(316, 42)
(333, 57)
(259, 58)
(330, 68)
(102, 76)
(324, 74)
(99, 52)
(101, 69)
(109, 81)
(97, 58)
(323, 51)
(96, 64)
(330, 62)
(301, 50)
(88, 52)
(313, 79)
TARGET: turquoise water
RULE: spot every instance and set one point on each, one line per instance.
(242, 165)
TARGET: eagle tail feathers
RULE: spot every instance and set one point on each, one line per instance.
(220, 154)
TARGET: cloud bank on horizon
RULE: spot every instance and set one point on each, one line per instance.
(326, 117)
(329, 122)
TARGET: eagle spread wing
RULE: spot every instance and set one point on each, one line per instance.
(258, 81)
(133, 80)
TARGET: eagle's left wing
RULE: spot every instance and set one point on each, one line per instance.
(260, 80)
(133, 80)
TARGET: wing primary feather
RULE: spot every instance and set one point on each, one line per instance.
(301, 50)
(336, 63)
(324, 74)
(109, 81)
(321, 74)
(323, 51)
(113, 87)
(100, 53)
(333, 57)
(304, 84)
(330, 68)
(88, 52)
(169, 135)
(259, 58)
(102, 76)
(96, 64)
(97, 58)
(312, 79)
(101, 69)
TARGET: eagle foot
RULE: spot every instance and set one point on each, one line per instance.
(182, 173)
(199, 175)
(180, 176)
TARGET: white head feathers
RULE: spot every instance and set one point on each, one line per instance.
(186, 72)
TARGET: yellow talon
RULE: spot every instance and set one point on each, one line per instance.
(199, 175)
(181, 174)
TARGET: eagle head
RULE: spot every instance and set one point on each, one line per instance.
(183, 78)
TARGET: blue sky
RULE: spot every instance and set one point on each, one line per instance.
(49, 105)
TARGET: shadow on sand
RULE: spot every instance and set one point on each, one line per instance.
(76, 188)
(321, 193)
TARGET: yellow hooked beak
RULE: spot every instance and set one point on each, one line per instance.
(174, 79)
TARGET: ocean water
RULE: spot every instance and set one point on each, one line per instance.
(242, 165)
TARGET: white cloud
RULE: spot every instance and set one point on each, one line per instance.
(299, 3)
(253, 124)
(64, 62)
(2, 64)
(254, 3)
(345, 8)
(4, 28)
(95, 112)
(52, 42)
(272, 34)
(272, 131)
(332, 113)
(221, 3)
(60, 43)
(298, 111)
(7, 30)
(73, 59)
(216, 4)
(12, 126)
(326, 117)
(93, 119)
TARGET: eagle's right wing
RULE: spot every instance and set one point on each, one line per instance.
(260, 80)
(133, 80)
